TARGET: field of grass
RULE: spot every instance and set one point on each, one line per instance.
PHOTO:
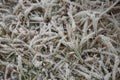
(59, 40)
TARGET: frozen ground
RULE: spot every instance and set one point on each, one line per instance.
(59, 40)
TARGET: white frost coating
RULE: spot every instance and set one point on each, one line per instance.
(59, 39)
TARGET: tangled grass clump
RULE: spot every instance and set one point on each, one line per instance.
(59, 40)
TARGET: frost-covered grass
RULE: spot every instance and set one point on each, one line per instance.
(59, 40)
